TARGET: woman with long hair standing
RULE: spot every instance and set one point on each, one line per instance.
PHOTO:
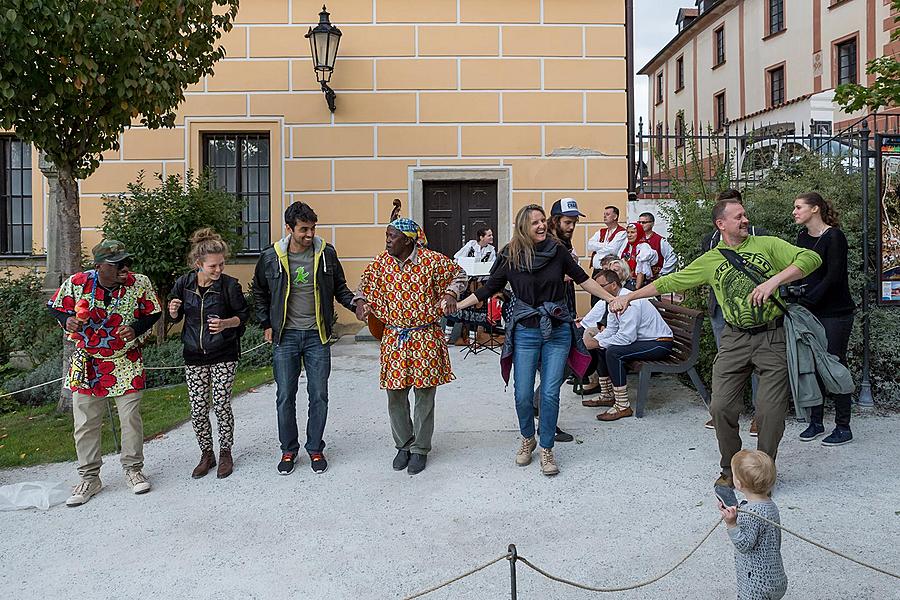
(540, 328)
(826, 293)
(215, 313)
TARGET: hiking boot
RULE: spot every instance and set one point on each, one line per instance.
(83, 492)
(562, 436)
(286, 464)
(724, 480)
(523, 456)
(401, 460)
(548, 463)
(207, 462)
(226, 463)
(815, 430)
(840, 436)
(416, 463)
(754, 428)
(710, 425)
(317, 462)
(138, 481)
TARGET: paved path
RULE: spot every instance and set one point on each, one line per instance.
(632, 497)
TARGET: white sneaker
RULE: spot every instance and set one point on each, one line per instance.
(523, 456)
(84, 491)
(138, 481)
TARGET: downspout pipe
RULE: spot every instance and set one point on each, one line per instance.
(629, 94)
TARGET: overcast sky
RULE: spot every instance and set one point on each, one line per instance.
(654, 26)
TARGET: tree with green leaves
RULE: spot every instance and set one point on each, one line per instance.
(74, 75)
(156, 223)
(885, 89)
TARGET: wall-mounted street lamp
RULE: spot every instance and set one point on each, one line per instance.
(323, 45)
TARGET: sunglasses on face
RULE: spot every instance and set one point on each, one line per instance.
(122, 265)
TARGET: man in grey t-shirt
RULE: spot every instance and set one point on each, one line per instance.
(295, 285)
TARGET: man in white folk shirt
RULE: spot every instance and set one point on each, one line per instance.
(667, 259)
(642, 335)
(609, 240)
(481, 248)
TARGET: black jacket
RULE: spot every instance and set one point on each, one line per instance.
(270, 288)
(225, 299)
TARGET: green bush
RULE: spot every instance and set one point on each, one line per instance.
(769, 205)
(28, 326)
(156, 223)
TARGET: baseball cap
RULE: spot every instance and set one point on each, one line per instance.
(567, 207)
(109, 251)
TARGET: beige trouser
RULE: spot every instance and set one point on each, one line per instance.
(88, 412)
(741, 354)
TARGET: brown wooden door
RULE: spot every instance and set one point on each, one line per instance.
(455, 210)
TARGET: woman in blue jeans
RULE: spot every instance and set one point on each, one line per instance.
(540, 329)
(826, 293)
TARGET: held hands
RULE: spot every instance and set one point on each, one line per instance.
(449, 304)
(619, 304)
(174, 305)
(762, 292)
(363, 309)
(72, 325)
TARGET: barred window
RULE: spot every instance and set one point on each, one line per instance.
(720, 46)
(240, 165)
(15, 196)
(776, 86)
(776, 16)
(846, 62)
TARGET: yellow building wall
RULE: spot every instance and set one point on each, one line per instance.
(534, 86)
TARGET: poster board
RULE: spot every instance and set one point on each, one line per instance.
(888, 147)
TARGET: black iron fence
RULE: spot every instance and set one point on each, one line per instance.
(737, 156)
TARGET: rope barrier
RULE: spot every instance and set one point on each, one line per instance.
(624, 588)
(58, 379)
(512, 556)
(463, 576)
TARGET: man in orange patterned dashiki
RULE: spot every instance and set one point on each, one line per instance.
(409, 287)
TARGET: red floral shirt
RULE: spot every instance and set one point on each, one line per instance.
(103, 363)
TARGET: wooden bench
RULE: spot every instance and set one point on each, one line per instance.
(686, 325)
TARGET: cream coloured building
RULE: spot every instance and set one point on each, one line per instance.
(465, 110)
(765, 62)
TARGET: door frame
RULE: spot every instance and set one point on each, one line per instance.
(418, 175)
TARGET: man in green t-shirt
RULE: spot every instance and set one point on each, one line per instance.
(753, 338)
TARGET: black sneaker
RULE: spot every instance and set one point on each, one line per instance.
(286, 465)
(838, 437)
(318, 463)
(416, 463)
(562, 436)
(401, 460)
(812, 432)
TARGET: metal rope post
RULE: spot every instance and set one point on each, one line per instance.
(865, 387)
(513, 556)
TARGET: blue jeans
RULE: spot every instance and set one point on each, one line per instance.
(530, 348)
(718, 325)
(296, 346)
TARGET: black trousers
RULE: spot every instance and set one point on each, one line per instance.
(837, 330)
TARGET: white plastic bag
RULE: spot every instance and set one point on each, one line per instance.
(33, 494)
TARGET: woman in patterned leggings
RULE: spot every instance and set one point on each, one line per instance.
(215, 313)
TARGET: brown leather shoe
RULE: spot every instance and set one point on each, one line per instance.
(226, 464)
(207, 462)
(615, 416)
(598, 402)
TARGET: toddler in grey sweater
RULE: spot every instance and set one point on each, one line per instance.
(757, 544)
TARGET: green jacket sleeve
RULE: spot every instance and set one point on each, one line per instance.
(697, 273)
(785, 254)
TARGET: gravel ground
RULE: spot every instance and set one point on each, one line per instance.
(632, 497)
